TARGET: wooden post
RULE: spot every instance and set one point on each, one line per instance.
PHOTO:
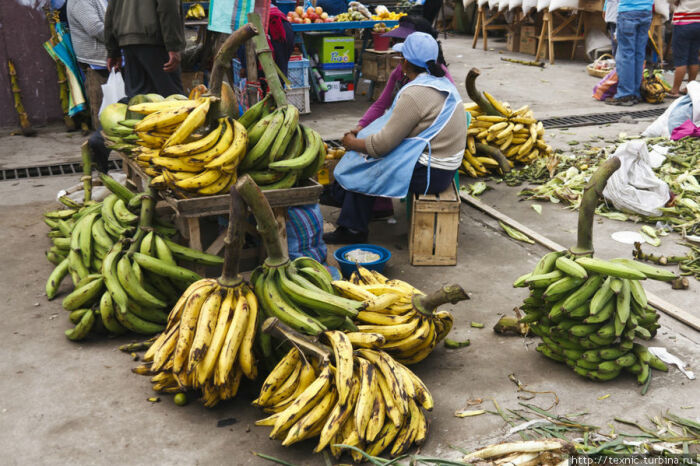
(476, 28)
(251, 73)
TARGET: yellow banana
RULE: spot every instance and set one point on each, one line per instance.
(165, 105)
(199, 181)
(208, 316)
(200, 145)
(246, 359)
(233, 340)
(288, 387)
(176, 165)
(306, 376)
(194, 120)
(338, 416)
(235, 152)
(317, 414)
(366, 340)
(342, 350)
(365, 400)
(188, 324)
(376, 420)
(277, 377)
(220, 186)
(206, 367)
(162, 119)
(413, 339)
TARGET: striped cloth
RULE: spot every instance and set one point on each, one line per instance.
(305, 232)
(687, 12)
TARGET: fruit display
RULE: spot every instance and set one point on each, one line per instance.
(344, 396)
(122, 261)
(208, 341)
(298, 292)
(382, 13)
(499, 136)
(189, 146)
(281, 152)
(589, 311)
(311, 15)
(196, 11)
(356, 12)
(398, 318)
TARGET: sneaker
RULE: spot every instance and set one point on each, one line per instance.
(626, 101)
(343, 235)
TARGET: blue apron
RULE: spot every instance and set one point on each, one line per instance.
(390, 176)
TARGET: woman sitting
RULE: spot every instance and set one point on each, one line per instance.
(416, 146)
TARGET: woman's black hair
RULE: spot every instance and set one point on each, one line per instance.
(421, 24)
(435, 69)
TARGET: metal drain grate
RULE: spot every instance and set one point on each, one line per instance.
(40, 171)
(598, 118)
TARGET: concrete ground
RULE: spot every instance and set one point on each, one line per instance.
(79, 403)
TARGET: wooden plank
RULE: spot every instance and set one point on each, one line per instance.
(446, 237)
(194, 234)
(422, 259)
(438, 207)
(218, 244)
(667, 308)
(423, 234)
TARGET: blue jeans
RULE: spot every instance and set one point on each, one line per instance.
(632, 35)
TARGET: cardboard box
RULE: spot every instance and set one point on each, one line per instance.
(376, 66)
(528, 40)
(190, 80)
(591, 5)
(338, 91)
(335, 50)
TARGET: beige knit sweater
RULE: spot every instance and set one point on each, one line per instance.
(416, 109)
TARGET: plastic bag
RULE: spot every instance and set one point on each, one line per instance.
(663, 8)
(562, 4)
(606, 87)
(528, 5)
(634, 187)
(542, 4)
(112, 90)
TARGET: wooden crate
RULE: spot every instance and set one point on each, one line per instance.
(434, 228)
(189, 213)
(378, 65)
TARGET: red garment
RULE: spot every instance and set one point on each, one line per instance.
(275, 30)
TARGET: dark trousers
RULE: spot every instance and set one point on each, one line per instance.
(431, 8)
(143, 72)
(94, 79)
(357, 208)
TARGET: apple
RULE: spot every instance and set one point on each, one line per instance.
(319, 10)
(318, 21)
(298, 20)
(313, 16)
(307, 21)
(328, 20)
(299, 10)
(324, 16)
(310, 10)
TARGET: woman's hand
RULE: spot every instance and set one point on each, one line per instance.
(351, 142)
(356, 130)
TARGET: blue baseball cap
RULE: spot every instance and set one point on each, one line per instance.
(418, 48)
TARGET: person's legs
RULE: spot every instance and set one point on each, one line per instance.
(624, 58)
(680, 43)
(94, 79)
(152, 58)
(693, 72)
(100, 153)
(613, 39)
(678, 76)
(135, 78)
(643, 20)
(439, 180)
(694, 49)
(431, 8)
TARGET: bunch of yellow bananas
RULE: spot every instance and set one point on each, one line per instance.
(207, 343)
(395, 318)
(180, 159)
(196, 11)
(366, 400)
(516, 133)
(281, 152)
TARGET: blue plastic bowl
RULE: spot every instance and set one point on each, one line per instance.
(347, 267)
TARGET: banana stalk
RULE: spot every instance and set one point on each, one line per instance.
(222, 60)
(589, 201)
(266, 61)
(427, 304)
(145, 219)
(279, 330)
(87, 171)
(495, 154)
(476, 96)
(233, 242)
(267, 224)
(27, 129)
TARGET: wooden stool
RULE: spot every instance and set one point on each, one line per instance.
(485, 25)
(552, 34)
(434, 229)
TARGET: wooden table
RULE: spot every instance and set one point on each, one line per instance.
(568, 29)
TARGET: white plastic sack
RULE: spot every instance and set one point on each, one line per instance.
(466, 3)
(493, 5)
(481, 3)
(529, 5)
(596, 41)
(562, 4)
(634, 187)
(112, 90)
(542, 4)
(513, 4)
(502, 5)
(663, 8)
(659, 128)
